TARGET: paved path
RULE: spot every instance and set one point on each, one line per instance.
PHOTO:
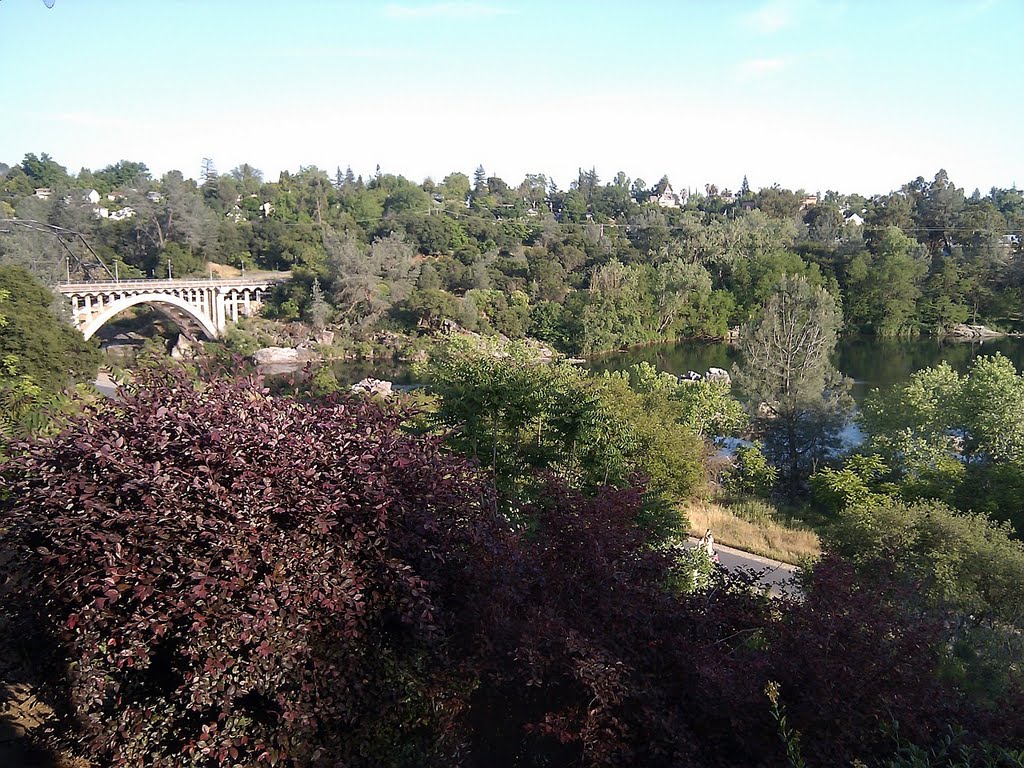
(776, 573)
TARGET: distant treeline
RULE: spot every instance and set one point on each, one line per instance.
(594, 267)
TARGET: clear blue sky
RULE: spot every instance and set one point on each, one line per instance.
(857, 96)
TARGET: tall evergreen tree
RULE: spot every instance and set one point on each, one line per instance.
(799, 401)
(480, 181)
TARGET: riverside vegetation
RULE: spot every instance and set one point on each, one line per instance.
(491, 572)
(589, 268)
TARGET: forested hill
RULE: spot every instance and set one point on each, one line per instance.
(593, 267)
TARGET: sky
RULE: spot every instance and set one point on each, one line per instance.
(855, 95)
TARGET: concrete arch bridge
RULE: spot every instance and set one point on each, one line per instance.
(196, 306)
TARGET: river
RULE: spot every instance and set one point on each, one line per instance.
(871, 363)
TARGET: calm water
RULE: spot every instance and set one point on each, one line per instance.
(871, 363)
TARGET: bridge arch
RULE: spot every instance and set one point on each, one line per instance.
(120, 305)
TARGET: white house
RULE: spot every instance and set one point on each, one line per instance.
(92, 196)
(669, 198)
(856, 219)
(43, 193)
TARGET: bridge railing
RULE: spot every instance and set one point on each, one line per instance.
(143, 283)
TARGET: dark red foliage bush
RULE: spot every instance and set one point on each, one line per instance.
(213, 576)
(849, 664)
(236, 578)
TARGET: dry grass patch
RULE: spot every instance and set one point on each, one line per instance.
(222, 270)
(752, 528)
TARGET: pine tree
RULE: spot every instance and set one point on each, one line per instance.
(208, 172)
(744, 187)
(480, 181)
(319, 311)
(799, 400)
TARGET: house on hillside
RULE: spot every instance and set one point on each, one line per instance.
(855, 219)
(92, 196)
(1009, 243)
(43, 193)
(670, 199)
(807, 201)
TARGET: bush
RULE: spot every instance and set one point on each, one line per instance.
(233, 578)
(523, 418)
(752, 475)
(963, 561)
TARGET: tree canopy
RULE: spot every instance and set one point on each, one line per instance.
(37, 343)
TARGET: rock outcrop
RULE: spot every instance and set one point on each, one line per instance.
(186, 348)
(719, 375)
(283, 356)
(371, 386)
(965, 331)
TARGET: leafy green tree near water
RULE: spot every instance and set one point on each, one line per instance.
(524, 418)
(959, 438)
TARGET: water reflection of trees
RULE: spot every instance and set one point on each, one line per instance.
(870, 362)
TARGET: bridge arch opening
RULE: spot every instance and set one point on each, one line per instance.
(160, 301)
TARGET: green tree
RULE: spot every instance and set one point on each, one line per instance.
(884, 287)
(520, 416)
(319, 311)
(37, 342)
(367, 283)
(963, 561)
(123, 173)
(959, 438)
(798, 401)
(706, 407)
(44, 171)
(479, 181)
(455, 187)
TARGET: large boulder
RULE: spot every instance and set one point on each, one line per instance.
(718, 374)
(965, 331)
(186, 348)
(283, 356)
(371, 386)
(324, 338)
